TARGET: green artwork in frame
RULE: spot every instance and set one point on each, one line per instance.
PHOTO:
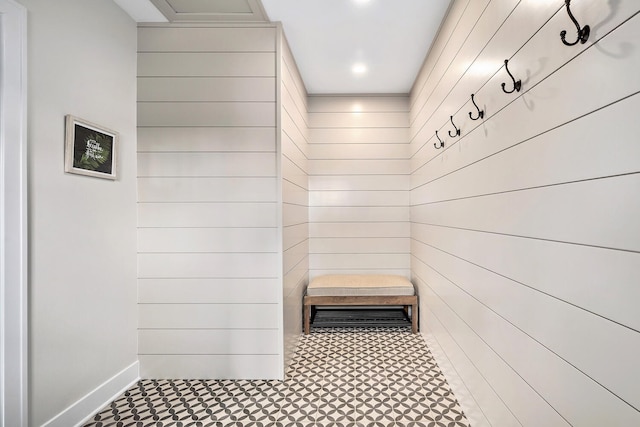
(90, 149)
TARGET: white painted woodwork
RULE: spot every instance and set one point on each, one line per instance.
(294, 173)
(348, 104)
(206, 189)
(524, 238)
(220, 366)
(358, 167)
(206, 89)
(338, 245)
(295, 215)
(199, 11)
(210, 264)
(360, 261)
(359, 198)
(520, 235)
(209, 290)
(194, 114)
(207, 214)
(360, 135)
(456, 365)
(294, 234)
(164, 38)
(208, 341)
(358, 180)
(368, 270)
(295, 195)
(345, 151)
(207, 164)
(203, 64)
(208, 316)
(206, 139)
(590, 282)
(14, 301)
(563, 212)
(358, 120)
(208, 245)
(163, 240)
(359, 229)
(561, 331)
(359, 214)
(567, 153)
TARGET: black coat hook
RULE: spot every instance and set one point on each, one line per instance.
(583, 33)
(441, 142)
(517, 85)
(480, 112)
(456, 132)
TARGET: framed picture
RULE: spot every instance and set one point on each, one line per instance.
(90, 149)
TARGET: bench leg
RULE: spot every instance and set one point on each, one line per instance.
(414, 318)
(307, 319)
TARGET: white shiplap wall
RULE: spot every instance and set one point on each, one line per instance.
(295, 196)
(210, 303)
(525, 238)
(358, 185)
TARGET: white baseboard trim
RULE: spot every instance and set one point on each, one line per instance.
(81, 411)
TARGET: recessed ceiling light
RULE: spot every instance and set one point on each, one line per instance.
(359, 69)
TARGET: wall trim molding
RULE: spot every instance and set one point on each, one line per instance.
(80, 412)
(14, 409)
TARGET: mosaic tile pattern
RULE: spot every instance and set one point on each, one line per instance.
(339, 377)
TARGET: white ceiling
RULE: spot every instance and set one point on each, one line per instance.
(390, 38)
(328, 37)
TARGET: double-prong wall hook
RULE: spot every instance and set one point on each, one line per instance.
(480, 112)
(439, 140)
(456, 132)
(517, 85)
(583, 33)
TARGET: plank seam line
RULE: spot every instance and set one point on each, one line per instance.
(468, 68)
(526, 139)
(536, 187)
(489, 383)
(490, 347)
(444, 48)
(434, 337)
(529, 287)
(306, 140)
(453, 59)
(530, 237)
(532, 338)
(521, 94)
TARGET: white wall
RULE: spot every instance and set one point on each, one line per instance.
(358, 185)
(294, 139)
(524, 231)
(209, 261)
(82, 243)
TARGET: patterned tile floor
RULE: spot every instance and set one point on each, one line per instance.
(339, 377)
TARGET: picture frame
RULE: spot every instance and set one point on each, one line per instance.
(90, 149)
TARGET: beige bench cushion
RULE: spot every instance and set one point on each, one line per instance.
(360, 285)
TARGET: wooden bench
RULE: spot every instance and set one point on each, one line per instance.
(360, 290)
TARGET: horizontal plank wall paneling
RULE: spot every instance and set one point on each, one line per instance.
(359, 185)
(204, 64)
(294, 139)
(525, 243)
(208, 246)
